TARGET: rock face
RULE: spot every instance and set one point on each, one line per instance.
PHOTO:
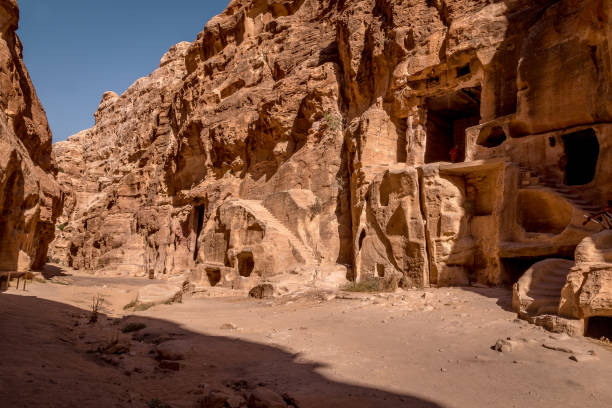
(30, 198)
(588, 291)
(423, 142)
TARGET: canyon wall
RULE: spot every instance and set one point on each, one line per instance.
(30, 198)
(421, 142)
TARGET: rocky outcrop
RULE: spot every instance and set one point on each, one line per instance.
(421, 143)
(30, 198)
(562, 295)
(588, 291)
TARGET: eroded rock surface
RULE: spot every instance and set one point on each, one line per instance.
(30, 198)
(419, 143)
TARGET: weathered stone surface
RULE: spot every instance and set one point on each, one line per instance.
(428, 142)
(30, 198)
(588, 291)
(159, 293)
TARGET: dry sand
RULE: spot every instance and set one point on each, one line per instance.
(419, 348)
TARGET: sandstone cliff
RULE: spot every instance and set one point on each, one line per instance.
(30, 198)
(426, 142)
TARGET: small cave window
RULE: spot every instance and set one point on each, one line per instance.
(448, 117)
(492, 137)
(464, 70)
(246, 264)
(380, 270)
(214, 276)
(552, 141)
(581, 155)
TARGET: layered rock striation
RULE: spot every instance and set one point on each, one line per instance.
(424, 142)
(30, 198)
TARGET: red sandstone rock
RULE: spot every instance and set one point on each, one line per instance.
(30, 198)
(419, 142)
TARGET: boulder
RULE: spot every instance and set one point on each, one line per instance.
(262, 291)
(159, 293)
(262, 397)
(174, 349)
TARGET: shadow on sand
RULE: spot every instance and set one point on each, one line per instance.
(40, 362)
(503, 295)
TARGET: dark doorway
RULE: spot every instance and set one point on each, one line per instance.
(214, 276)
(582, 152)
(245, 264)
(448, 116)
(514, 268)
(599, 327)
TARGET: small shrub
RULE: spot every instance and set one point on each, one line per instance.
(95, 308)
(60, 170)
(132, 327)
(367, 285)
(131, 304)
(141, 307)
(332, 121)
(316, 208)
(62, 226)
(156, 403)
(372, 284)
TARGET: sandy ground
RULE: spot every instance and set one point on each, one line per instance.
(415, 348)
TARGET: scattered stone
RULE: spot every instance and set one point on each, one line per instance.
(174, 349)
(503, 346)
(228, 326)
(583, 358)
(262, 397)
(159, 293)
(169, 365)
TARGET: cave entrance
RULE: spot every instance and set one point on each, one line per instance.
(246, 264)
(214, 276)
(448, 116)
(599, 327)
(514, 268)
(582, 152)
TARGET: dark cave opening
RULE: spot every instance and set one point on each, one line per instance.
(246, 264)
(581, 152)
(448, 116)
(214, 276)
(599, 327)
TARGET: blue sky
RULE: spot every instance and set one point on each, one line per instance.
(76, 50)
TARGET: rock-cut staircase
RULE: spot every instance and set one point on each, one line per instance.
(574, 195)
(540, 287)
(263, 214)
